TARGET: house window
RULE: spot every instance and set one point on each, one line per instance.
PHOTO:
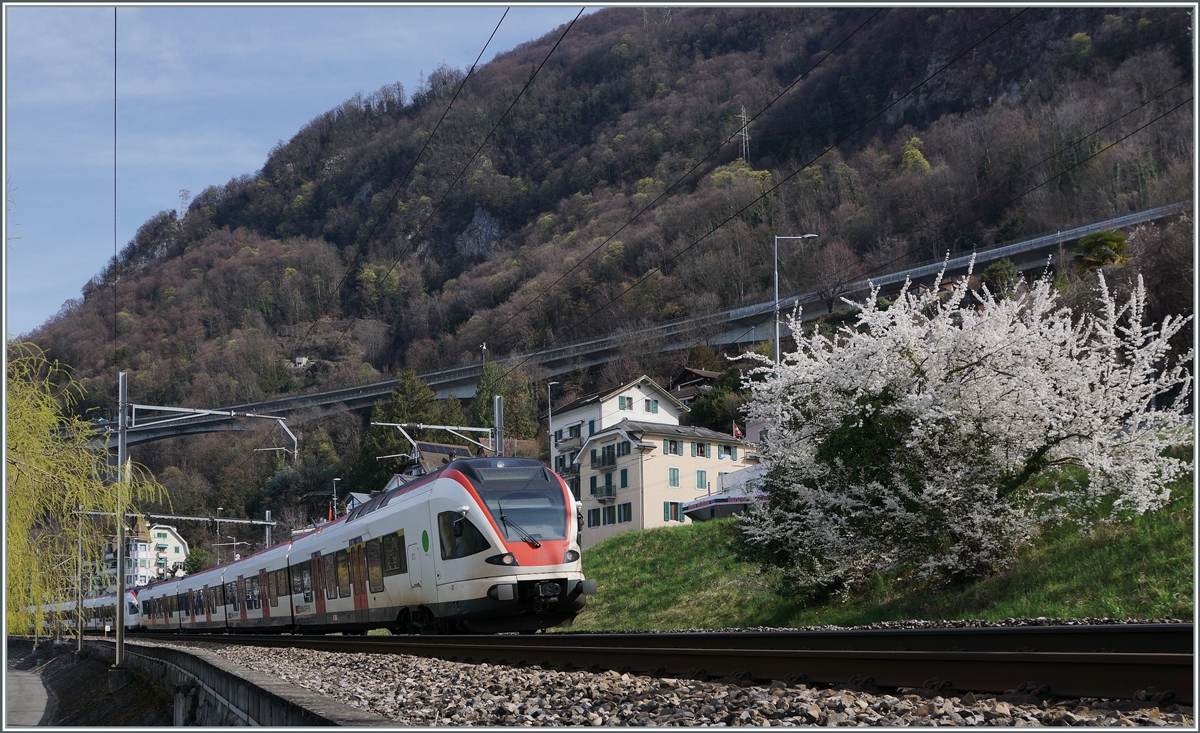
(673, 477)
(624, 513)
(701, 479)
(624, 478)
(591, 427)
(625, 403)
(593, 517)
(671, 511)
(673, 447)
(573, 431)
(726, 451)
(558, 435)
(592, 484)
(610, 515)
(624, 448)
(652, 406)
(176, 549)
(762, 435)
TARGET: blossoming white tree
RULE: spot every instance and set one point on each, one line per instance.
(937, 434)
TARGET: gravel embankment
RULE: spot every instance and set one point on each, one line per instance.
(420, 692)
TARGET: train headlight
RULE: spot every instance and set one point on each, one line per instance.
(506, 559)
(570, 556)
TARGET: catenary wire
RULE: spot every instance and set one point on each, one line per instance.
(767, 192)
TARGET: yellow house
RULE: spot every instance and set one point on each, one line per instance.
(638, 474)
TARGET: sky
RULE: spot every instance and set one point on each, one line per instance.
(202, 95)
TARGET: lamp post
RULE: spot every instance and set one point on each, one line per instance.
(219, 510)
(550, 421)
(333, 509)
(777, 238)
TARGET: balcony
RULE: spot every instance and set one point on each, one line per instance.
(571, 470)
(605, 494)
(604, 459)
(569, 445)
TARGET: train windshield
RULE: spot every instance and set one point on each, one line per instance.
(524, 498)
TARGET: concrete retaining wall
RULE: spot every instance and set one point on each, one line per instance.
(209, 690)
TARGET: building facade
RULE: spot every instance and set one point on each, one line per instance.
(158, 553)
(637, 474)
(581, 419)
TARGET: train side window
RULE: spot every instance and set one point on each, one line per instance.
(306, 584)
(394, 561)
(330, 577)
(459, 537)
(272, 595)
(281, 582)
(255, 593)
(296, 590)
(343, 573)
(374, 567)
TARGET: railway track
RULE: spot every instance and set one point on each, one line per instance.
(1136, 661)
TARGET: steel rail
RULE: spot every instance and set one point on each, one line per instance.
(984, 660)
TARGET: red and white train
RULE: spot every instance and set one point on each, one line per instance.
(483, 545)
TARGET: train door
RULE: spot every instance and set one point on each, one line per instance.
(241, 596)
(414, 566)
(358, 579)
(208, 609)
(265, 594)
(421, 569)
(320, 582)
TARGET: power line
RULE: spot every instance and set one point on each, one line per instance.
(680, 180)
(474, 155)
(770, 190)
(1013, 177)
(388, 208)
(1024, 193)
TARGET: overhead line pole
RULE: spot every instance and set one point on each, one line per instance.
(122, 481)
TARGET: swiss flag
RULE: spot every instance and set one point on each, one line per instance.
(736, 433)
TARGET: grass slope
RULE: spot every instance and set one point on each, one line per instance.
(690, 577)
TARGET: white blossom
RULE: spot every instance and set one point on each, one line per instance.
(939, 433)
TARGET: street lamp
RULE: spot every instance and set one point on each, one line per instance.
(777, 238)
(550, 420)
(333, 508)
(219, 510)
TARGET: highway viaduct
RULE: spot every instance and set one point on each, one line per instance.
(743, 325)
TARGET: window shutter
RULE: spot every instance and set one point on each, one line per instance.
(665, 443)
(592, 482)
(621, 402)
(708, 450)
(654, 406)
(591, 427)
(666, 511)
(624, 478)
(735, 452)
(593, 455)
(693, 449)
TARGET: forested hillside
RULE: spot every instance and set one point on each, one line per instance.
(376, 239)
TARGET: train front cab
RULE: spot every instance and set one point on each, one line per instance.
(506, 557)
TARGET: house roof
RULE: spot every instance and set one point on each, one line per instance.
(604, 394)
(663, 430)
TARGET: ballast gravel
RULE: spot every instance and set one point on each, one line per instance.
(414, 691)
